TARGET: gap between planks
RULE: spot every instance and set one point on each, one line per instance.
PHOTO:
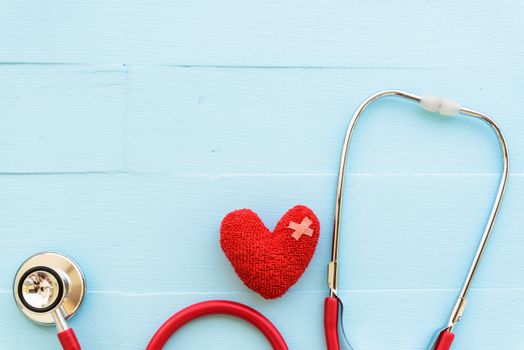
(226, 66)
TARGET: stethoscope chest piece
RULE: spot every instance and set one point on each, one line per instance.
(47, 283)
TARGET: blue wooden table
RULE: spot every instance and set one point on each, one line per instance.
(128, 130)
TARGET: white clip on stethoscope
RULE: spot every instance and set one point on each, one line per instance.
(49, 287)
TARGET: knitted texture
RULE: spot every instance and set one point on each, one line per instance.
(270, 262)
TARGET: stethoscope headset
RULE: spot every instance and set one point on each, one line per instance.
(50, 287)
(444, 336)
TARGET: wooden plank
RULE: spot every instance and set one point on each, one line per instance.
(225, 121)
(399, 231)
(269, 33)
(220, 121)
(61, 118)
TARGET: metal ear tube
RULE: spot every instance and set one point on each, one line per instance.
(445, 107)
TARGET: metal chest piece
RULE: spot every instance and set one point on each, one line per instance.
(46, 283)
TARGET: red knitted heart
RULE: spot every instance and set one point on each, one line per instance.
(270, 262)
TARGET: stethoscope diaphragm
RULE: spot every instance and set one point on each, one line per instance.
(49, 282)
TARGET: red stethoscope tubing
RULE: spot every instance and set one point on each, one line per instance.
(444, 341)
(68, 340)
(217, 307)
(331, 323)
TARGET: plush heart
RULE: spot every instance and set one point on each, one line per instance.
(270, 262)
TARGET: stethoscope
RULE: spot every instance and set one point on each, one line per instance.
(50, 287)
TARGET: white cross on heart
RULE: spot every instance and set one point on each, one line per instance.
(301, 229)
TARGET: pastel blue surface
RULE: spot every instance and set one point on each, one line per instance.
(130, 128)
